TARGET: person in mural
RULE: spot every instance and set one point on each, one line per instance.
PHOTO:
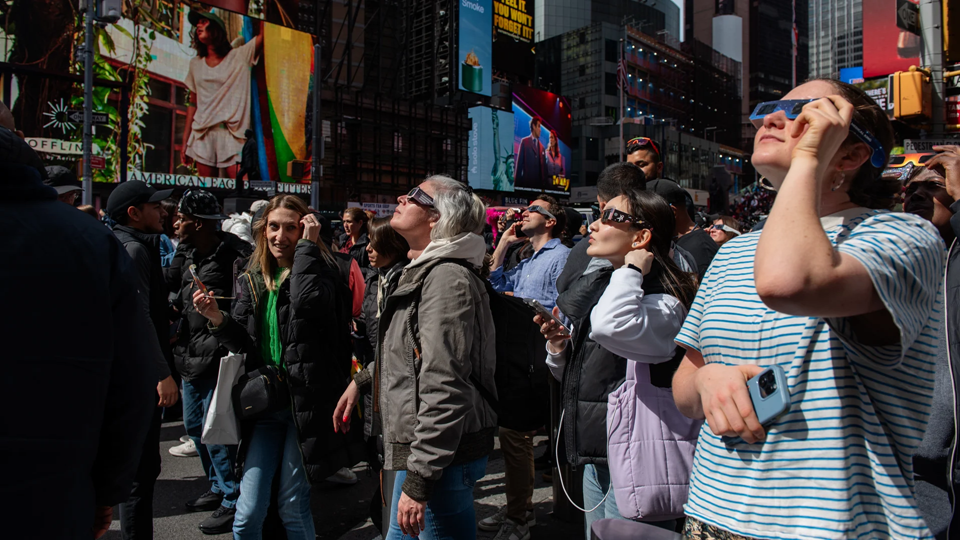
(554, 159)
(502, 173)
(219, 111)
(531, 165)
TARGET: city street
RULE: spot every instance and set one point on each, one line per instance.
(340, 511)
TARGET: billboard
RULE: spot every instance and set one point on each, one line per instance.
(513, 37)
(490, 149)
(205, 88)
(879, 90)
(886, 48)
(475, 51)
(297, 14)
(541, 141)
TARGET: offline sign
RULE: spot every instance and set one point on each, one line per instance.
(55, 146)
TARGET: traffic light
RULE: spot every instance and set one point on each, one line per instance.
(951, 34)
(911, 94)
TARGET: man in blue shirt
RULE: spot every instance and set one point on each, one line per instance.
(536, 278)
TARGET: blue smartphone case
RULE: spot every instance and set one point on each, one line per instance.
(769, 402)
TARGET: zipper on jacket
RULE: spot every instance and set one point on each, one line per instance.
(953, 386)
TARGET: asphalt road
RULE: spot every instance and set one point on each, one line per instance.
(340, 512)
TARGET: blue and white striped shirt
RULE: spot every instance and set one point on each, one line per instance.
(839, 464)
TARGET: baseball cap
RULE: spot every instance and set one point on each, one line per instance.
(132, 193)
(195, 16)
(61, 179)
(201, 204)
(673, 193)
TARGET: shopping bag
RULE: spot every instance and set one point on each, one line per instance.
(221, 425)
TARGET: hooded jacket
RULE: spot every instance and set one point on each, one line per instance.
(437, 335)
(197, 352)
(313, 318)
(78, 362)
(358, 250)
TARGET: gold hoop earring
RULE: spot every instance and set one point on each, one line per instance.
(843, 177)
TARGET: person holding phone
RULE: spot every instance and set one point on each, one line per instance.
(844, 296)
(632, 308)
(292, 312)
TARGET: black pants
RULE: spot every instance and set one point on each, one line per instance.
(136, 515)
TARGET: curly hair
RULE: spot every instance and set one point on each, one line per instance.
(221, 44)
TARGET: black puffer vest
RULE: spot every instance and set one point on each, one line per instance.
(593, 372)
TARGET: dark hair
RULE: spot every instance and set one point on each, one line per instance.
(617, 178)
(357, 214)
(386, 241)
(867, 187)
(553, 206)
(631, 148)
(535, 120)
(170, 207)
(656, 211)
(218, 35)
(730, 221)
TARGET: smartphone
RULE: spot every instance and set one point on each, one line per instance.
(769, 394)
(196, 280)
(546, 314)
(517, 230)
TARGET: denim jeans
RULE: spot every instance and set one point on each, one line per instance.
(217, 460)
(449, 514)
(273, 445)
(596, 483)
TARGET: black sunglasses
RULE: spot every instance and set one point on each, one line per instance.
(612, 215)
(420, 197)
(540, 210)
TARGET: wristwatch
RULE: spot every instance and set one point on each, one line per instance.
(635, 267)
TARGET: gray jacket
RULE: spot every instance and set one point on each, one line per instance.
(437, 337)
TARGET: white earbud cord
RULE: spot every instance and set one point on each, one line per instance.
(556, 454)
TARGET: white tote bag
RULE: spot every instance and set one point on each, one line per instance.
(221, 425)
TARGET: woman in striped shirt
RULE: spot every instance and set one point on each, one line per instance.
(844, 296)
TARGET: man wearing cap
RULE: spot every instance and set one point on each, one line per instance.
(64, 182)
(135, 207)
(218, 112)
(696, 241)
(218, 257)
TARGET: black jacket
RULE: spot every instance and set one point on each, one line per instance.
(144, 249)
(593, 372)
(312, 312)
(937, 454)
(359, 251)
(196, 352)
(79, 382)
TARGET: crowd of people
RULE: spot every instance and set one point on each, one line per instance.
(791, 382)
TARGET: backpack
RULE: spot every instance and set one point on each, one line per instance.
(522, 377)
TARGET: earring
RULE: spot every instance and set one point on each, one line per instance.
(840, 183)
(636, 244)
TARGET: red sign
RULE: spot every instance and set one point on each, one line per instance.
(886, 48)
(98, 162)
(952, 104)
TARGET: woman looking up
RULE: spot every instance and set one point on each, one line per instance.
(841, 294)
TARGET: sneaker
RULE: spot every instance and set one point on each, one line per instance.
(496, 521)
(221, 521)
(343, 476)
(511, 530)
(187, 449)
(206, 502)
(185, 438)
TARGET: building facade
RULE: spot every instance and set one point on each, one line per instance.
(836, 36)
(555, 17)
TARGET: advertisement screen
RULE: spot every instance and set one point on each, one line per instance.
(513, 37)
(886, 48)
(208, 94)
(490, 149)
(475, 52)
(541, 141)
(297, 14)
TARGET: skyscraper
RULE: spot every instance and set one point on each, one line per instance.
(836, 36)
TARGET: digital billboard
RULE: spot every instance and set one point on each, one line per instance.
(475, 52)
(297, 14)
(490, 149)
(206, 88)
(513, 37)
(886, 48)
(541, 141)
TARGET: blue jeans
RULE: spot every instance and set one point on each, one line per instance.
(273, 445)
(449, 514)
(217, 460)
(596, 483)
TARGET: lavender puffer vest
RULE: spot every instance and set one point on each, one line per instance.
(650, 446)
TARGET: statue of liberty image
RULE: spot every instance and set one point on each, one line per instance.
(502, 172)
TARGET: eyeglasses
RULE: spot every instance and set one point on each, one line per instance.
(418, 196)
(725, 228)
(540, 210)
(643, 142)
(792, 109)
(612, 215)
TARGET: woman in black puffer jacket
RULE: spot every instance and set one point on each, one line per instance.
(292, 312)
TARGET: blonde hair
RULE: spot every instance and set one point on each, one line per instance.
(262, 260)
